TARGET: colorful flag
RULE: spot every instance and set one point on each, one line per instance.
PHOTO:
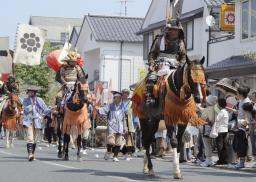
(228, 17)
(99, 93)
(4, 77)
(110, 95)
(29, 44)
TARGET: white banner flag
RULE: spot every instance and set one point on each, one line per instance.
(29, 45)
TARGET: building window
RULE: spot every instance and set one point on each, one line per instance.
(189, 34)
(63, 37)
(253, 18)
(147, 43)
(245, 19)
(248, 19)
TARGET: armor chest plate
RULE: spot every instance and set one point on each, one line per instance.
(173, 48)
(70, 74)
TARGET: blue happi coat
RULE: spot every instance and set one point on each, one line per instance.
(116, 118)
(34, 112)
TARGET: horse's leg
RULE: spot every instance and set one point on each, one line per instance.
(66, 145)
(13, 133)
(59, 134)
(144, 129)
(79, 144)
(7, 134)
(153, 127)
(148, 132)
(85, 140)
(174, 143)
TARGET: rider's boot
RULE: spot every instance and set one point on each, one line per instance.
(152, 79)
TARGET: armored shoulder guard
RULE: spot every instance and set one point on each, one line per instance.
(155, 49)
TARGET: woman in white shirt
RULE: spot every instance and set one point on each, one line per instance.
(222, 128)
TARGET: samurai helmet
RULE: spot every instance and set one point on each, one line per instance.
(174, 24)
(173, 14)
(72, 56)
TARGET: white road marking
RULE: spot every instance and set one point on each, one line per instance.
(46, 162)
(122, 179)
(59, 165)
(7, 153)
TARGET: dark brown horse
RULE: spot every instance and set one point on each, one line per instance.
(9, 116)
(177, 107)
(75, 117)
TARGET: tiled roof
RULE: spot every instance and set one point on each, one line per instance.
(231, 67)
(115, 29)
(233, 61)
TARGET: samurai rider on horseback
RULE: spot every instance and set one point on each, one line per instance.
(167, 53)
(68, 74)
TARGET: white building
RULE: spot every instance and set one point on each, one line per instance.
(111, 49)
(194, 24)
(58, 28)
(224, 50)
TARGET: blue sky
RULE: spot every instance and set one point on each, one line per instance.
(19, 11)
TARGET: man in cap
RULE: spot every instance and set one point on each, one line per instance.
(34, 111)
(168, 48)
(116, 124)
(129, 147)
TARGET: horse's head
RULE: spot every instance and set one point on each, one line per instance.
(13, 101)
(196, 79)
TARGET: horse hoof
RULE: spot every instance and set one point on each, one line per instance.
(145, 171)
(31, 158)
(84, 152)
(7, 146)
(66, 158)
(151, 173)
(60, 155)
(177, 176)
(79, 158)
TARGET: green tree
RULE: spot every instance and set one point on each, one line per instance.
(39, 75)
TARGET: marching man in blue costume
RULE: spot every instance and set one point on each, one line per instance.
(117, 126)
(34, 111)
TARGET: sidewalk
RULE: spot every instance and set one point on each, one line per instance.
(248, 166)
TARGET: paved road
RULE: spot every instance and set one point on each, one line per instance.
(47, 168)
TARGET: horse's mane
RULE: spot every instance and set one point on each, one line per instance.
(78, 91)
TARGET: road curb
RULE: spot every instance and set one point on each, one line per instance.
(248, 170)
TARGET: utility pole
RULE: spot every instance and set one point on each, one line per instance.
(123, 4)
